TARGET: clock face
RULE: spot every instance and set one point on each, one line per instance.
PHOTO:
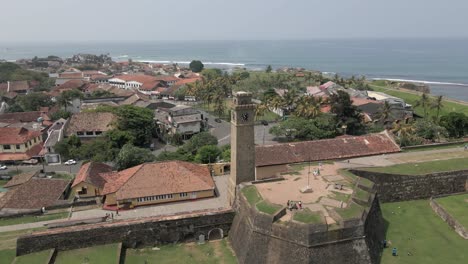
(245, 117)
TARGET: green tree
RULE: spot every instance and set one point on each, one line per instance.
(299, 128)
(208, 154)
(348, 115)
(130, 156)
(268, 69)
(424, 102)
(199, 140)
(119, 138)
(429, 130)
(137, 121)
(61, 114)
(438, 105)
(34, 101)
(456, 124)
(226, 153)
(196, 66)
(180, 154)
(14, 108)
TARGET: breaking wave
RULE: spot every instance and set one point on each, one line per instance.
(420, 81)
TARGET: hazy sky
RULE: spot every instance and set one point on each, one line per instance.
(136, 20)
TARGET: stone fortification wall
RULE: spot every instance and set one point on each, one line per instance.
(257, 238)
(449, 219)
(132, 233)
(396, 187)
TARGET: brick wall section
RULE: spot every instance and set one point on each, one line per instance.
(256, 238)
(395, 187)
(452, 222)
(132, 233)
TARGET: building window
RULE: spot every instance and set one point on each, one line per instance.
(6, 147)
(26, 145)
(34, 140)
(88, 133)
(79, 133)
(18, 146)
(98, 133)
(183, 194)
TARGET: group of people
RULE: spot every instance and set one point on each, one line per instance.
(294, 205)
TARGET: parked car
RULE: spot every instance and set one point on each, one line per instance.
(3, 167)
(70, 162)
(217, 120)
(264, 122)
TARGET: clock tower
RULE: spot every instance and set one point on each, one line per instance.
(242, 142)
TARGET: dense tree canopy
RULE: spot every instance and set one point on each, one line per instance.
(130, 156)
(208, 154)
(199, 140)
(34, 101)
(196, 66)
(348, 115)
(298, 128)
(455, 123)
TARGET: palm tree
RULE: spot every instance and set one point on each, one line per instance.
(438, 104)
(424, 102)
(260, 110)
(308, 78)
(386, 112)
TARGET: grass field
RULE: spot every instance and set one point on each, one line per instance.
(35, 258)
(426, 148)
(267, 207)
(415, 229)
(456, 206)
(252, 195)
(32, 219)
(97, 254)
(423, 167)
(8, 244)
(213, 252)
(352, 211)
(308, 217)
(412, 98)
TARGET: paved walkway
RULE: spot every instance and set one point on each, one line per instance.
(166, 209)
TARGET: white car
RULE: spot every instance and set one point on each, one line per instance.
(3, 167)
(70, 162)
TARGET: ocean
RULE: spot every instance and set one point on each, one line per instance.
(441, 63)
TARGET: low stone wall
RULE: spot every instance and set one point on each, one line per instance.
(257, 238)
(132, 233)
(396, 187)
(450, 220)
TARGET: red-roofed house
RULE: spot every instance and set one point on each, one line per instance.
(273, 159)
(89, 182)
(140, 82)
(149, 183)
(18, 143)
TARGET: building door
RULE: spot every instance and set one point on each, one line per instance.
(194, 195)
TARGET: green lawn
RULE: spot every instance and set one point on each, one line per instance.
(269, 116)
(340, 196)
(352, 211)
(267, 207)
(7, 255)
(456, 206)
(308, 217)
(213, 252)
(424, 167)
(64, 176)
(252, 195)
(426, 148)
(361, 194)
(411, 98)
(91, 255)
(32, 219)
(35, 258)
(8, 243)
(415, 229)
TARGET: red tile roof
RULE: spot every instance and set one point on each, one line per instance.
(16, 135)
(71, 84)
(15, 86)
(35, 194)
(71, 75)
(90, 121)
(148, 82)
(90, 173)
(159, 178)
(23, 117)
(20, 179)
(326, 149)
